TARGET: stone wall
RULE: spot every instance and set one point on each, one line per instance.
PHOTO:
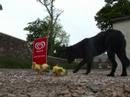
(13, 47)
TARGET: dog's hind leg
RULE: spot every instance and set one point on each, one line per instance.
(79, 66)
(125, 62)
(111, 56)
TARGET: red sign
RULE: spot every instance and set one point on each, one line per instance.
(40, 50)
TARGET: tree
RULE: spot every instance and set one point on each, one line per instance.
(112, 9)
(39, 28)
(110, 1)
(1, 7)
(53, 17)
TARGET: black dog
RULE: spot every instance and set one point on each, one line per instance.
(110, 41)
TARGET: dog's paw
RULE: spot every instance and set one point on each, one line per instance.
(111, 75)
(123, 74)
(85, 73)
(75, 71)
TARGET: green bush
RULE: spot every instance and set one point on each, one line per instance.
(65, 65)
(13, 62)
(16, 62)
(69, 66)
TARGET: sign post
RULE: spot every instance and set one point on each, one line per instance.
(40, 47)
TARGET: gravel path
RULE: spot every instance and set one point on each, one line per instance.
(26, 83)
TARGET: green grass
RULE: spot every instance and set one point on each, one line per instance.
(12, 62)
(65, 65)
(68, 66)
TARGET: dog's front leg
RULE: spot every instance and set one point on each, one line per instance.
(89, 64)
(88, 68)
(79, 66)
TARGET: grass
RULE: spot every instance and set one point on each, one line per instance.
(69, 66)
(20, 63)
(13, 62)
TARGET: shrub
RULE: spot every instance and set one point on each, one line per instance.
(13, 62)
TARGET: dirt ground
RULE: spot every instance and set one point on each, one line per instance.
(26, 83)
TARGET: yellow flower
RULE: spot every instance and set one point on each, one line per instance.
(44, 67)
(37, 67)
(55, 68)
(58, 70)
(63, 72)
